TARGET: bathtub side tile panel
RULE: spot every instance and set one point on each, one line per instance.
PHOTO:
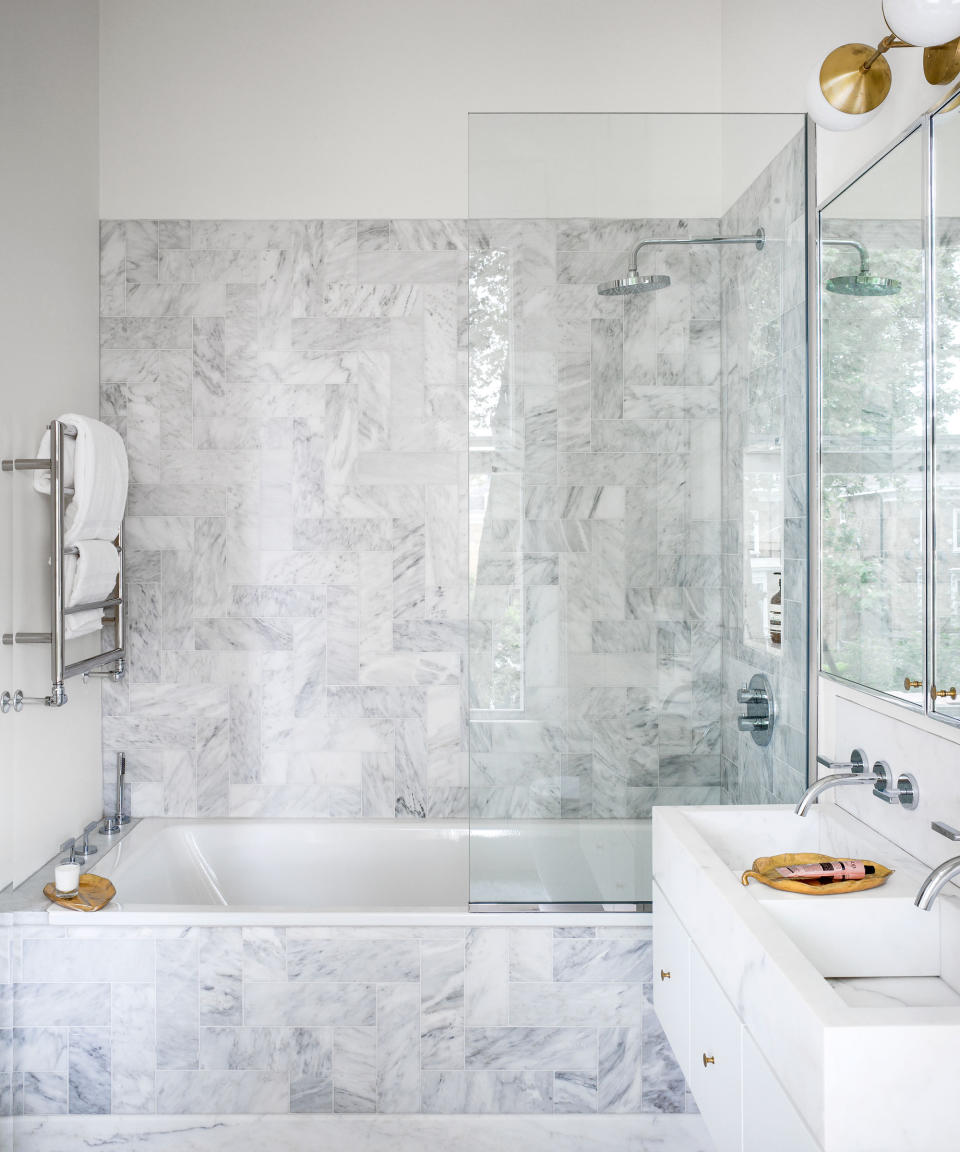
(344, 1020)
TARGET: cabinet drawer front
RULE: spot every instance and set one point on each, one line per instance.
(715, 1037)
(769, 1118)
(671, 978)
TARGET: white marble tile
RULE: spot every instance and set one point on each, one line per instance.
(227, 1133)
(89, 1070)
(354, 1070)
(61, 1005)
(571, 1005)
(220, 973)
(309, 1005)
(244, 1092)
(442, 1004)
(264, 954)
(531, 1049)
(398, 1045)
(177, 1003)
(345, 960)
(133, 1048)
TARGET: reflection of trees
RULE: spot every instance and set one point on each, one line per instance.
(873, 421)
(872, 488)
(490, 280)
(947, 376)
(490, 429)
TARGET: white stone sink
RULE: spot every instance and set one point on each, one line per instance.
(876, 933)
(846, 995)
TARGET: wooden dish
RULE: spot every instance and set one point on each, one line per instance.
(93, 892)
(765, 870)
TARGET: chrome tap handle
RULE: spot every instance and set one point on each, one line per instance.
(70, 847)
(857, 763)
(86, 848)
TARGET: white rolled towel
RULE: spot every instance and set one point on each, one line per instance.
(88, 577)
(95, 466)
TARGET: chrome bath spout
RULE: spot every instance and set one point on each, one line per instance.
(930, 888)
(826, 782)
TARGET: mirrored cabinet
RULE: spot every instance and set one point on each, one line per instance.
(889, 478)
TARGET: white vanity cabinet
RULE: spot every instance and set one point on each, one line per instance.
(671, 979)
(743, 1104)
(715, 1074)
(769, 1119)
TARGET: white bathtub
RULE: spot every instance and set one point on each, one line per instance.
(288, 871)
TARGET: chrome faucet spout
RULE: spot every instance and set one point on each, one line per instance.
(818, 787)
(930, 888)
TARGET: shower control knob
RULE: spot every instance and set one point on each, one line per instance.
(750, 696)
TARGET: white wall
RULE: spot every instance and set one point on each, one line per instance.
(49, 759)
(771, 47)
(244, 108)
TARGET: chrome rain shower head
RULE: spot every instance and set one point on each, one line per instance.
(864, 283)
(634, 283)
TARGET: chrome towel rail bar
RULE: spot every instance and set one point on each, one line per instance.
(60, 670)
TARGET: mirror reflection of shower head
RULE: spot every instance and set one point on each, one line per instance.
(634, 283)
(864, 283)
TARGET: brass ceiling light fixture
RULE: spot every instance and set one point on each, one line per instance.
(853, 81)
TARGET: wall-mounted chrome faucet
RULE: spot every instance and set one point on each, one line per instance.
(942, 874)
(906, 791)
(858, 774)
(761, 713)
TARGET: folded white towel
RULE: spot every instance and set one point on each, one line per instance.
(88, 577)
(95, 466)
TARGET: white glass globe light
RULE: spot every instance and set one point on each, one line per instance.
(824, 113)
(924, 23)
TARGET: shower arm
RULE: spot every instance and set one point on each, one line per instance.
(758, 239)
(864, 254)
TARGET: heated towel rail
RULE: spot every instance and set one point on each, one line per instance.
(60, 670)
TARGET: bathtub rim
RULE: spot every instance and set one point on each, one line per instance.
(27, 904)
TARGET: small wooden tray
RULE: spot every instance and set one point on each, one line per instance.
(93, 893)
(765, 870)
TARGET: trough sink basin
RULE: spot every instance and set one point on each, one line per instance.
(842, 993)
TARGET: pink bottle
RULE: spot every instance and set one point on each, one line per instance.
(827, 871)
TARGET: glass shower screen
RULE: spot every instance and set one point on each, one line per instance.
(634, 499)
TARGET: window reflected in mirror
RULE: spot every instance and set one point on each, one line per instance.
(946, 453)
(872, 445)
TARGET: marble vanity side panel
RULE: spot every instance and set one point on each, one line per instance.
(294, 417)
(764, 417)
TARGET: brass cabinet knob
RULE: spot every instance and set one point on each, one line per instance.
(708, 1060)
(934, 694)
(908, 683)
(664, 975)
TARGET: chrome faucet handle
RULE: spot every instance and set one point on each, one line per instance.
(857, 763)
(70, 846)
(86, 848)
(947, 830)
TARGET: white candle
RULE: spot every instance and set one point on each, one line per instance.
(66, 879)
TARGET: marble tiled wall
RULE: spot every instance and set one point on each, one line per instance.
(293, 395)
(595, 458)
(293, 399)
(764, 412)
(351, 1020)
